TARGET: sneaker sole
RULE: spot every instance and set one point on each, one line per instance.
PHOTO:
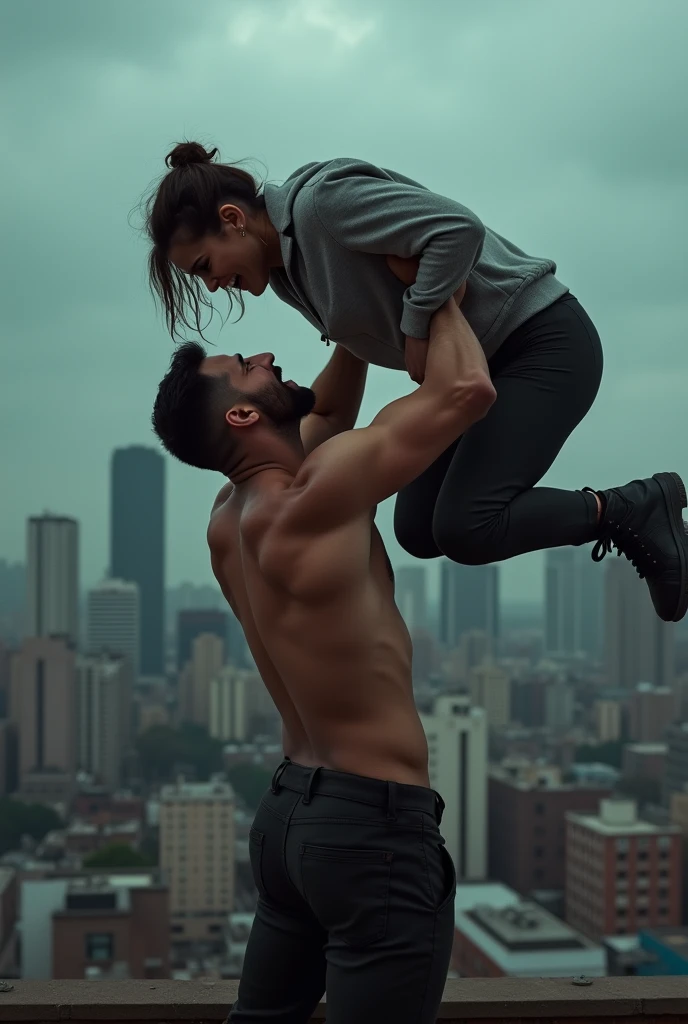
(674, 492)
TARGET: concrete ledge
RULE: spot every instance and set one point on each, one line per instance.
(499, 1001)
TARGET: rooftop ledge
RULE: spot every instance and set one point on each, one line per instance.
(504, 1000)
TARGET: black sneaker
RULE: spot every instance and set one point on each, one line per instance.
(644, 522)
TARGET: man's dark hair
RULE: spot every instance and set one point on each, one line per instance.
(188, 415)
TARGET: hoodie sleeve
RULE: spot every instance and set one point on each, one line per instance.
(368, 211)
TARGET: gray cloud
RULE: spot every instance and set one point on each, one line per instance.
(562, 125)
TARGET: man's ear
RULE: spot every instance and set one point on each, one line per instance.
(242, 416)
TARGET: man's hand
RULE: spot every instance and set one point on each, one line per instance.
(416, 349)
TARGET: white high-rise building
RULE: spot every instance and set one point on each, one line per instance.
(113, 621)
(103, 701)
(53, 577)
(411, 596)
(490, 688)
(457, 747)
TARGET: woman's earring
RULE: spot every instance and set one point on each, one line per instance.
(243, 233)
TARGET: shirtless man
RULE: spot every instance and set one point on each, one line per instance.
(356, 888)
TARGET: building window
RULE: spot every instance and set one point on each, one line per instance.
(664, 842)
(622, 845)
(100, 945)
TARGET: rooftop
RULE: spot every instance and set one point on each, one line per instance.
(468, 1001)
(190, 791)
(619, 818)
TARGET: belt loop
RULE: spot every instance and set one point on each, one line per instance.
(439, 807)
(391, 801)
(279, 771)
(309, 782)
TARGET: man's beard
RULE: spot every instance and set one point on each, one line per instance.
(284, 406)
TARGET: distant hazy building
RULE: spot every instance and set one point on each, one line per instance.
(645, 761)
(639, 646)
(234, 701)
(457, 746)
(104, 709)
(559, 705)
(490, 689)
(137, 542)
(113, 621)
(411, 596)
(573, 603)
(622, 874)
(43, 694)
(194, 622)
(53, 577)
(676, 777)
(197, 856)
(652, 709)
(207, 659)
(607, 719)
(469, 600)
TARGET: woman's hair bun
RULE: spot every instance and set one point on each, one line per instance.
(186, 153)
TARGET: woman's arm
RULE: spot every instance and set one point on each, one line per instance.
(363, 208)
(338, 395)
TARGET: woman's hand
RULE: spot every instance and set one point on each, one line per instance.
(416, 349)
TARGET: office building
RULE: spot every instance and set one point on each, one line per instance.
(607, 720)
(95, 926)
(137, 543)
(639, 646)
(53, 577)
(528, 805)
(197, 855)
(645, 761)
(113, 621)
(207, 659)
(194, 622)
(490, 689)
(498, 934)
(559, 705)
(457, 747)
(43, 708)
(622, 874)
(573, 603)
(652, 709)
(411, 596)
(104, 710)
(676, 777)
(8, 757)
(469, 600)
(233, 703)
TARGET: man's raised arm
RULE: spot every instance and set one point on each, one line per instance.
(356, 470)
(338, 395)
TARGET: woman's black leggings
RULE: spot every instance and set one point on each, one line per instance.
(478, 502)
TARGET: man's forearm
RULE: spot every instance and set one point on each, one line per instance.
(339, 388)
(454, 353)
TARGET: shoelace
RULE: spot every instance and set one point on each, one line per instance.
(620, 537)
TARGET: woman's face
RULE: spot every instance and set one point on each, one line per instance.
(226, 259)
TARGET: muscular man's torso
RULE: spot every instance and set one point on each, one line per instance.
(320, 619)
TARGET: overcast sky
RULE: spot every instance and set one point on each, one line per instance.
(562, 124)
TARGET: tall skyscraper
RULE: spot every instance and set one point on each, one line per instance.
(197, 856)
(192, 623)
(574, 590)
(457, 747)
(469, 599)
(53, 577)
(137, 542)
(411, 596)
(113, 619)
(103, 700)
(639, 647)
(42, 705)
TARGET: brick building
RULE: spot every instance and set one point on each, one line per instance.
(622, 874)
(527, 827)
